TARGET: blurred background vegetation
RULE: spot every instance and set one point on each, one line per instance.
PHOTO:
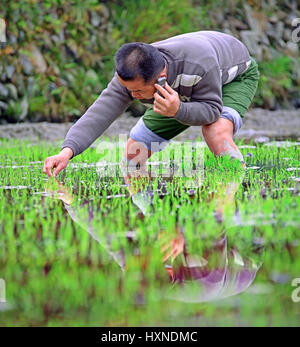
(59, 54)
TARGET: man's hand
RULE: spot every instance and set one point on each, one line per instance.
(167, 105)
(171, 245)
(59, 162)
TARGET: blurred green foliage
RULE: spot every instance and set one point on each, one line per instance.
(76, 55)
(275, 81)
(151, 20)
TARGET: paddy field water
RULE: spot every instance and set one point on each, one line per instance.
(183, 244)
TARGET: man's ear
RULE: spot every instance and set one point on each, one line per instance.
(163, 73)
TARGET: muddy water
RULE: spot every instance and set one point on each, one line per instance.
(224, 266)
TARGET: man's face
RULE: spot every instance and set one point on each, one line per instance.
(138, 88)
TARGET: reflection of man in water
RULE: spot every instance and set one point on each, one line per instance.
(219, 272)
(216, 272)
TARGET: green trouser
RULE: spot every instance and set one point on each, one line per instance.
(238, 94)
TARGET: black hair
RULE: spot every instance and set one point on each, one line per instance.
(139, 59)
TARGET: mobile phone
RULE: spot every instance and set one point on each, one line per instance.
(161, 81)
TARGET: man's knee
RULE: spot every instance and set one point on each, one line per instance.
(212, 132)
(220, 128)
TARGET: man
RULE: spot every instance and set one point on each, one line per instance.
(210, 81)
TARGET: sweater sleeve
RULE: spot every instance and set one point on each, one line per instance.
(110, 104)
(206, 104)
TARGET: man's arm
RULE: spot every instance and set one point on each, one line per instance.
(111, 103)
(206, 104)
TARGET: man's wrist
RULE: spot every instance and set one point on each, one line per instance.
(177, 114)
(68, 152)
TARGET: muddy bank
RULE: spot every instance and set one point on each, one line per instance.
(261, 125)
(258, 124)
